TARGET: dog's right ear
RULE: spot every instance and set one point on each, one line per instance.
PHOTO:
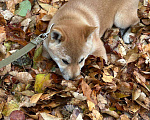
(56, 36)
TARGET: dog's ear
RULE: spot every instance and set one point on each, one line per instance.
(56, 36)
(88, 31)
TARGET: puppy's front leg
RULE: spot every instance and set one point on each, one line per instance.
(100, 50)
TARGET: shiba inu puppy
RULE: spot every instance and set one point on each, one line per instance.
(78, 27)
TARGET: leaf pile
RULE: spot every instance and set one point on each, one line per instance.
(31, 87)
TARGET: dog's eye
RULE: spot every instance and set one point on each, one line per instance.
(81, 60)
(65, 61)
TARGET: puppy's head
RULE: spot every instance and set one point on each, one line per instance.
(69, 45)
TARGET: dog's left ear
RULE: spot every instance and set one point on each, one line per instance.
(56, 36)
(88, 31)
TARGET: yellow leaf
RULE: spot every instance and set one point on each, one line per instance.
(9, 107)
(39, 82)
(107, 77)
(91, 105)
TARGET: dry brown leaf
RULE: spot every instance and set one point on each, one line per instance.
(35, 98)
(124, 117)
(132, 55)
(53, 104)
(87, 91)
(143, 105)
(107, 77)
(96, 115)
(136, 94)
(79, 95)
(112, 113)
(7, 14)
(11, 5)
(23, 77)
(140, 79)
(46, 116)
(91, 105)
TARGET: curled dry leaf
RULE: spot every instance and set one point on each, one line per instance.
(96, 115)
(87, 91)
(136, 94)
(124, 117)
(107, 77)
(91, 105)
(7, 14)
(51, 10)
(23, 77)
(112, 113)
(132, 55)
(35, 97)
(46, 116)
(11, 5)
(16, 19)
(79, 96)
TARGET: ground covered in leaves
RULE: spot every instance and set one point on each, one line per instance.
(31, 87)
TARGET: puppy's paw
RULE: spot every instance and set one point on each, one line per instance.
(126, 33)
(126, 38)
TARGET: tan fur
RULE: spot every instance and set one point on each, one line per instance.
(81, 23)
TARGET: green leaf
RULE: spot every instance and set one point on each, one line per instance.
(37, 56)
(24, 6)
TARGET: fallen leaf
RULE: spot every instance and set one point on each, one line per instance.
(46, 116)
(112, 113)
(91, 105)
(132, 55)
(41, 79)
(107, 77)
(23, 77)
(9, 107)
(96, 115)
(87, 91)
(78, 96)
(17, 115)
(35, 98)
(11, 5)
(24, 7)
(7, 14)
